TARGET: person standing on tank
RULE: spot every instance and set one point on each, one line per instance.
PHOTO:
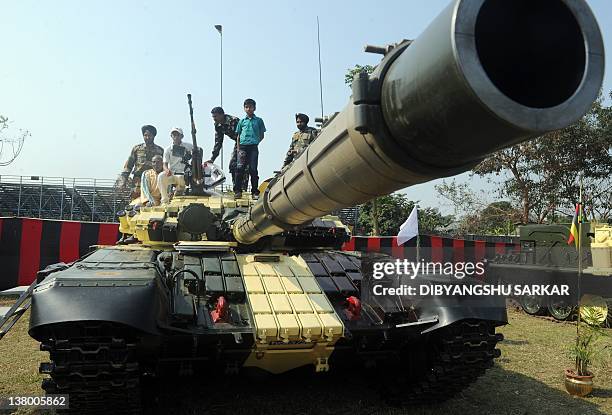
(301, 138)
(225, 125)
(250, 131)
(140, 159)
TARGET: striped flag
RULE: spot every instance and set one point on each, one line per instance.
(573, 236)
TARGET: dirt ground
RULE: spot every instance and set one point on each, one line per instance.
(527, 379)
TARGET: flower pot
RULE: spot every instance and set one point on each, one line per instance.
(578, 385)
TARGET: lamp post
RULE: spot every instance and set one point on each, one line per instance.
(220, 30)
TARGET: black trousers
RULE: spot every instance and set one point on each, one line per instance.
(252, 157)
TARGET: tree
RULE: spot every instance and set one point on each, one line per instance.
(356, 70)
(465, 201)
(431, 220)
(384, 215)
(497, 218)
(390, 211)
(541, 176)
(478, 214)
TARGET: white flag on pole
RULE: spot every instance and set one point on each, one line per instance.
(409, 229)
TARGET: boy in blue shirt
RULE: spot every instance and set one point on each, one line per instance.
(250, 131)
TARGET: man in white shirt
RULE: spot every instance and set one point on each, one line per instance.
(174, 168)
(149, 190)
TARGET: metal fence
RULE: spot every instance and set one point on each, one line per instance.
(348, 216)
(81, 199)
(65, 198)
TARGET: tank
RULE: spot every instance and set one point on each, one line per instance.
(545, 257)
(230, 285)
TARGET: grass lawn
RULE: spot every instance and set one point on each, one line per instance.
(527, 379)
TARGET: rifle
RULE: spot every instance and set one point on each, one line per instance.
(197, 178)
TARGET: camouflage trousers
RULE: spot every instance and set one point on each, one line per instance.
(135, 187)
(233, 169)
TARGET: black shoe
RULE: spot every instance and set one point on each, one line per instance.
(256, 193)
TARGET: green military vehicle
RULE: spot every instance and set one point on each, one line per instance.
(546, 256)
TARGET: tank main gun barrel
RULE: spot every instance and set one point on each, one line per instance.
(484, 75)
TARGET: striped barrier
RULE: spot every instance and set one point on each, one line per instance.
(28, 245)
(431, 248)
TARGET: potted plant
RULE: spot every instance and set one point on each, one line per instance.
(579, 381)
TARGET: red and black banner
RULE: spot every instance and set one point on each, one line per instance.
(431, 248)
(29, 245)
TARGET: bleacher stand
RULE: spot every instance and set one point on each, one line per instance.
(62, 198)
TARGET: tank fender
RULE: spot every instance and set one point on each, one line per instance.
(136, 302)
(450, 310)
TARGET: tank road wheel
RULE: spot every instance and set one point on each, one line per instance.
(560, 310)
(451, 359)
(532, 305)
(95, 363)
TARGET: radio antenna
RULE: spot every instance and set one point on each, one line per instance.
(320, 76)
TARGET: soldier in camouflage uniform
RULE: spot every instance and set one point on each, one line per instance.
(301, 138)
(140, 159)
(225, 125)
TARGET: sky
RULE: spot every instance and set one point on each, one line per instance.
(83, 77)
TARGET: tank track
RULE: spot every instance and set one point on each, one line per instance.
(453, 358)
(95, 363)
